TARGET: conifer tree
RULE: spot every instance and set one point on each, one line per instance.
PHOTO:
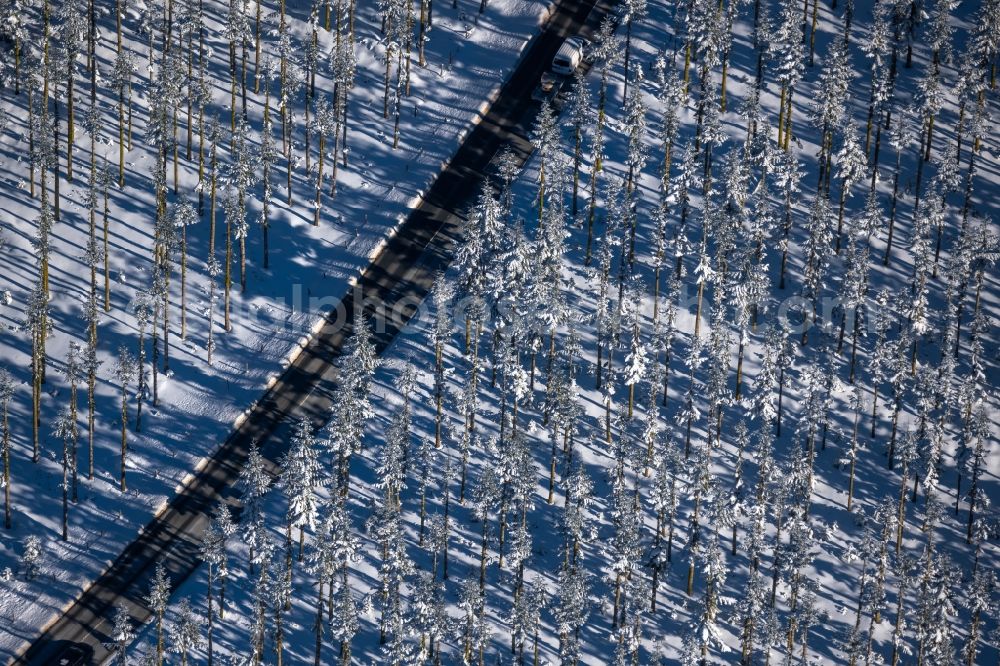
(254, 482)
(213, 553)
(65, 430)
(351, 405)
(157, 599)
(184, 632)
(122, 635)
(301, 483)
(6, 395)
(125, 372)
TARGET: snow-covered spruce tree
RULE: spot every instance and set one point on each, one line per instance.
(572, 608)
(931, 214)
(441, 293)
(546, 139)
(310, 49)
(343, 68)
(323, 124)
(751, 281)
(243, 178)
(392, 460)
(689, 412)
(815, 385)
(976, 464)
(253, 482)
(31, 557)
(396, 34)
(424, 469)
(563, 404)
(430, 616)
(906, 571)
(624, 549)
(395, 570)
(749, 611)
(669, 94)
(785, 49)
(982, 585)
(73, 372)
(301, 483)
(332, 551)
(527, 617)
(980, 601)
(852, 167)
(238, 33)
(865, 553)
(266, 159)
(279, 600)
(157, 599)
(605, 55)
(635, 121)
(806, 536)
(935, 601)
(636, 360)
(629, 13)
(605, 312)
(900, 138)
(548, 293)
(474, 630)
(717, 391)
(928, 100)
(125, 371)
(351, 406)
(72, 18)
(6, 395)
(344, 620)
(232, 209)
(877, 48)
(121, 82)
(165, 244)
(91, 363)
(575, 522)
(521, 478)
(183, 216)
(213, 552)
(260, 602)
(65, 430)
(184, 632)
(628, 638)
(37, 323)
(704, 633)
(581, 117)
(122, 635)
(485, 502)
(817, 253)
(787, 175)
(438, 528)
(668, 488)
(142, 306)
(15, 33)
(855, 289)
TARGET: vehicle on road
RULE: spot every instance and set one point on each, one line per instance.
(569, 56)
(74, 654)
(548, 88)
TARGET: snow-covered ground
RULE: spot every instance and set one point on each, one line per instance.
(468, 55)
(838, 545)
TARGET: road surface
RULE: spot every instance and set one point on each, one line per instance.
(402, 272)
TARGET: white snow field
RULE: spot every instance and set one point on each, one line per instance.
(845, 590)
(468, 56)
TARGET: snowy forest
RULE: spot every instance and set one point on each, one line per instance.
(711, 378)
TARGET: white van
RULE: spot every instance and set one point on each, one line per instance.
(569, 56)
